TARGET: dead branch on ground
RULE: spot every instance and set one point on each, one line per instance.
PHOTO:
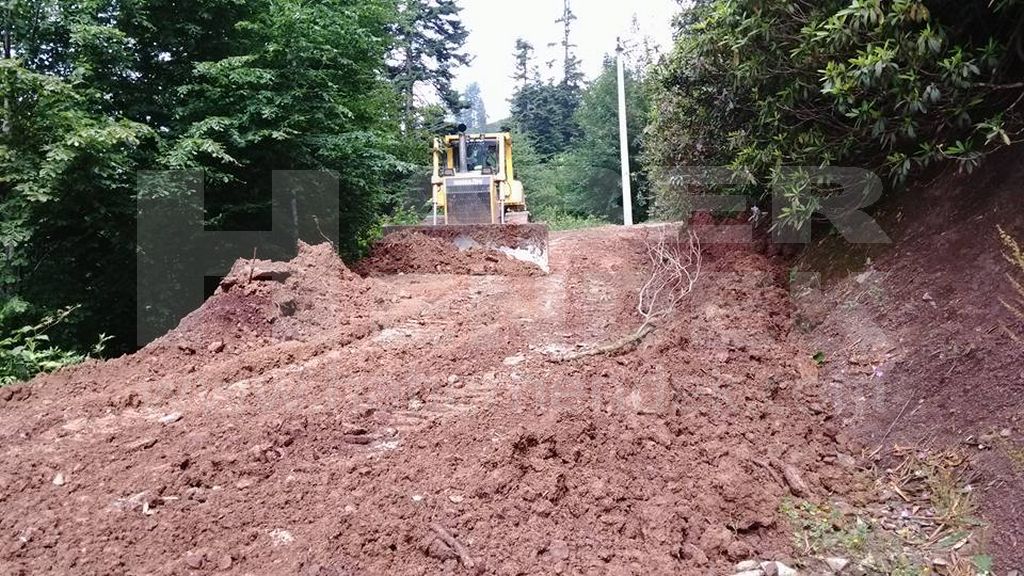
(674, 272)
(454, 544)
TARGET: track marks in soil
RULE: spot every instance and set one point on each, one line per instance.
(442, 412)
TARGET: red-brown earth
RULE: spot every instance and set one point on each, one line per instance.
(309, 421)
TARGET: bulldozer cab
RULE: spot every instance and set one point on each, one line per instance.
(481, 157)
(473, 181)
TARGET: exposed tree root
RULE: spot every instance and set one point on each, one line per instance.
(674, 272)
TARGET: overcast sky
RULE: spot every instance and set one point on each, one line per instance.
(494, 27)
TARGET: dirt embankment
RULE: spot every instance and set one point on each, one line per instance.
(918, 347)
(308, 421)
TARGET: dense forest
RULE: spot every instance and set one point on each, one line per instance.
(96, 91)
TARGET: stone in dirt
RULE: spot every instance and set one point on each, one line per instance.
(273, 271)
(747, 565)
(171, 418)
(837, 564)
(795, 481)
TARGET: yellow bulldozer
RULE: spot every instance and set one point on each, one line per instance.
(476, 200)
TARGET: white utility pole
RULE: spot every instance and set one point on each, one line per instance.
(627, 193)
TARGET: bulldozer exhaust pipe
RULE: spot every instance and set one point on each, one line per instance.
(463, 149)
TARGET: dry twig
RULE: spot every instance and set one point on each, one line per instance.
(674, 272)
(454, 544)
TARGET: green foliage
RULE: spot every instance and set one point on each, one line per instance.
(575, 178)
(295, 97)
(824, 529)
(546, 114)
(568, 145)
(594, 160)
(427, 48)
(558, 220)
(892, 85)
(27, 350)
(98, 90)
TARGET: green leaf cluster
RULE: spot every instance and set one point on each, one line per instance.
(889, 85)
(94, 91)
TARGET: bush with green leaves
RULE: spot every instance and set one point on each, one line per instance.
(95, 91)
(27, 350)
(888, 85)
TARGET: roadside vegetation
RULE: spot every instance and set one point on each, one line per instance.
(568, 146)
(891, 86)
(94, 92)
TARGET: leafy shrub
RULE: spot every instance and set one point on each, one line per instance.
(891, 85)
(558, 220)
(27, 350)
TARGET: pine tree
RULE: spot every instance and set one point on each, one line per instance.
(428, 47)
(572, 73)
(526, 68)
(474, 114)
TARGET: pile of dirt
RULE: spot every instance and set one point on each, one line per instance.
(423, 425)
(261, 303)
(411, 252)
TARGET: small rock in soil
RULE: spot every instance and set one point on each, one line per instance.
(783, 570)
(441, 551)
(557, 551)
(216, 347)
(171, 418)
(747, 565)
(846, 461)
(225, 562)
(58, 480)
(514, 360)
(194, 559)
(795, 481)
(274, 271)
(143, 444)
(279, 537)
(837, 564)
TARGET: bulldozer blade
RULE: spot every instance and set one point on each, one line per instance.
(526, 242)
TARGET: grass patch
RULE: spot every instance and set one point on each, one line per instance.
(558, 220)
(922, 521)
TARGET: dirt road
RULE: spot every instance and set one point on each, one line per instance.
(307, 420)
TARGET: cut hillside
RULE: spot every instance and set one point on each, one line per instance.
(918, 349)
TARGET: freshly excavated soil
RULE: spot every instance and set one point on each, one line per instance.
(307, 421)
(410, 252)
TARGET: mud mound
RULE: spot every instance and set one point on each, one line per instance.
(412, 252)
(260, 303)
